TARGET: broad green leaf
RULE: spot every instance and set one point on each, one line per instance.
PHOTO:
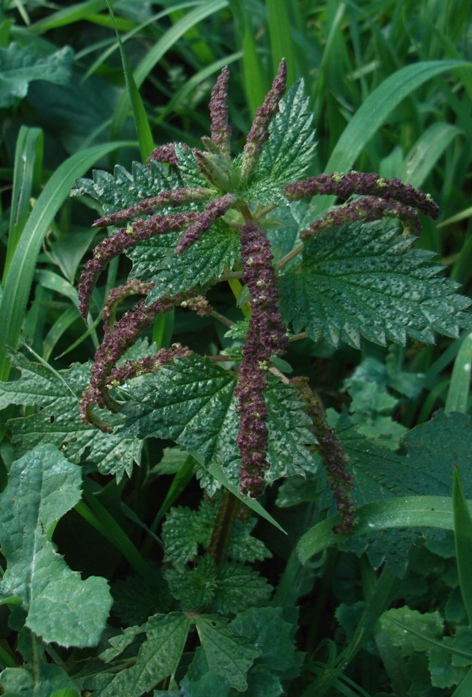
(59, 422)
(158, 656)
(192, 403)
(412, 631)
(266, 628)
(364, 280)
(208, 684)
(60, 606)
(227, 654)
(45, 680)
(288, 152)
(155, 260)
(427, 625)
(20, 65)
(463, 541)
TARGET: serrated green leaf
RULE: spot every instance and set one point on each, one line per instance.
(155, 260)
(158, 656)
(184, 530)
(46, 680)
(239, 587)
(363, 280)
(194, 588)
(60, 607)
(123, 189)
(20, 65)
(227, 654)
(59, 422)
(243, 547)
(192, 403)
(427, 625)
(288, 152)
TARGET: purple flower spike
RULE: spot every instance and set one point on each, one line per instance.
(220, 129)
(148, 206)
(116, 341)
(345, 185)
(214, 210)
(259, 132)
(367, 208)
(126, 238)
(265, 338)
(166, 154)
(333, 456)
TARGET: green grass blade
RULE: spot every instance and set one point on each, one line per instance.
(26, 179)
(146, 143)
(60, 326)
(459, 388)
(253, 504)
(160, 49)
(408, 511)
(281, 44)
(76, 13)
(18, 284)
(465, 688)
(463, 541)
(427, 151)
(58, 284)
(97, 515)
(375, 110)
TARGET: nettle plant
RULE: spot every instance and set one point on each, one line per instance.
(190, 219)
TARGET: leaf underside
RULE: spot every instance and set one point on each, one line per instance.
(58, 420)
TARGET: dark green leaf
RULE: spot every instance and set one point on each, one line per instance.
(20, 65)
(124, 189)
(266, 628)
(60, 607)
(158, 656)
(364, 280)
(227, 654)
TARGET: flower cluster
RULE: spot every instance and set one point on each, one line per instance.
(126, 238)
(333, 456)
(380, 198)
(192, 211)
(265, 338)
(366, 208)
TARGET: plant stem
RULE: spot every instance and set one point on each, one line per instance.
(223, 527)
